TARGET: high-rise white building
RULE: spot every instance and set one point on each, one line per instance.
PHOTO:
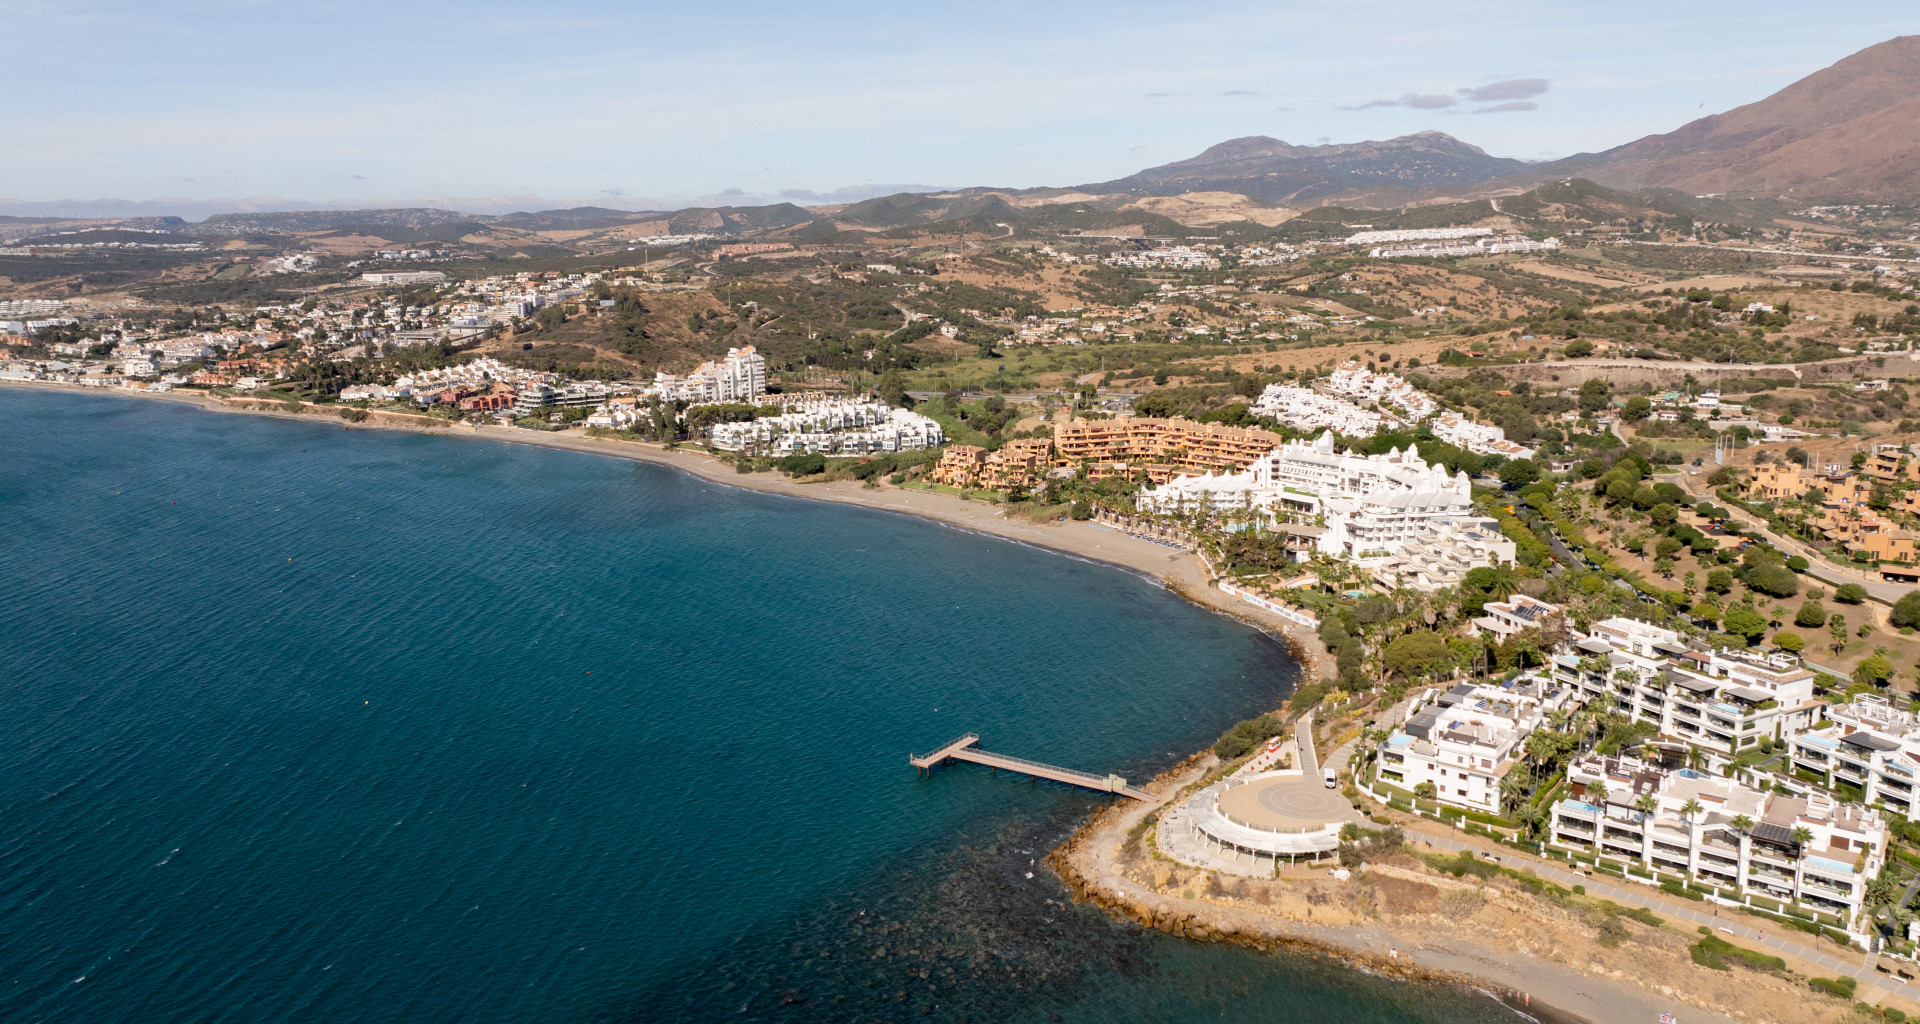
(740, 377)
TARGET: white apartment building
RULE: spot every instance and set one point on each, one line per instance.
(1483, 438)
(1305, 409)
(1813, 850)
(1867, 743)
(821, 424)
(740, 377)
(1727, 700)
(1465, 740)
(1415, 235)
(1389, 389)
(1503, 619)
(403, 277)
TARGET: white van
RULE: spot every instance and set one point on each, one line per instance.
(1333, 777)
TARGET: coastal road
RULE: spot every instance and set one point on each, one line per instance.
(1634, 897)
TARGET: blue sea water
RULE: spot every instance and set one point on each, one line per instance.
(306, 724)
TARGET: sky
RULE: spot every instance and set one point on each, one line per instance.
(266, 103)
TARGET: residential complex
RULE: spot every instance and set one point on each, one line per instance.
(817, 423)
(1867, 745)
(1018, 464)
(1483, 438)
(1726, 700)
(1305, 409)
(740, 377)
(1812, 850)
(1162, 447)
(1465, 740)
(1374, 508)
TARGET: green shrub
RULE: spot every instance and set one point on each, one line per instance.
(1840, 988)
(1673, 887)
(1714, 952)
(1246, 735)
(354, 415)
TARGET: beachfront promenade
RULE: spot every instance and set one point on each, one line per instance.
(967, 748)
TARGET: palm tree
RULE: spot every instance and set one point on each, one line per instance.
(1646, 803)
(1691, 809)
(1598, 793)
(1802, 836)
(1742, 822)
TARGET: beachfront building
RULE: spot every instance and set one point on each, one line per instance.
(1724, 699)
(1813, 850)
(1465, 740)
(1018, 464)
(817, 423)
(1867, 744)
(1379, 511)
(1161, 447)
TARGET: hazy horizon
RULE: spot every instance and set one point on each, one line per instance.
(225, 106)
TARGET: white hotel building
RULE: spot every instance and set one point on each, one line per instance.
(1375, 509)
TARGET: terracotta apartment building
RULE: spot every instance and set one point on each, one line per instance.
(1180, 445)
(1018, 464)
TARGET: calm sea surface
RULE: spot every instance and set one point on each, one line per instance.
(311, 725)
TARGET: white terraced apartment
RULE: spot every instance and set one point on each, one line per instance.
(1726, 700)
(1305, 409)
(1482, 438)
(1465, 740)
(1353, 378)
(1373, 508)
(1868, 744)
(1813, 850)
(832, 425)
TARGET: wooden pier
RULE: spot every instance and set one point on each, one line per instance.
(967, 748)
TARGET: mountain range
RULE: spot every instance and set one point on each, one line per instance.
(1849, 132)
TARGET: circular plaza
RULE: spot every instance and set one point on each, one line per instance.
(1271, 817)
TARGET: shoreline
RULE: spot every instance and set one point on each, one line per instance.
(1178, 570)
(1568, 996)
(1086, 863)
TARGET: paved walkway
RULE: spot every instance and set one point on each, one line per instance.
(1856, 965)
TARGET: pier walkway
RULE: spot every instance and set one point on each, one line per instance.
(967, 748)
